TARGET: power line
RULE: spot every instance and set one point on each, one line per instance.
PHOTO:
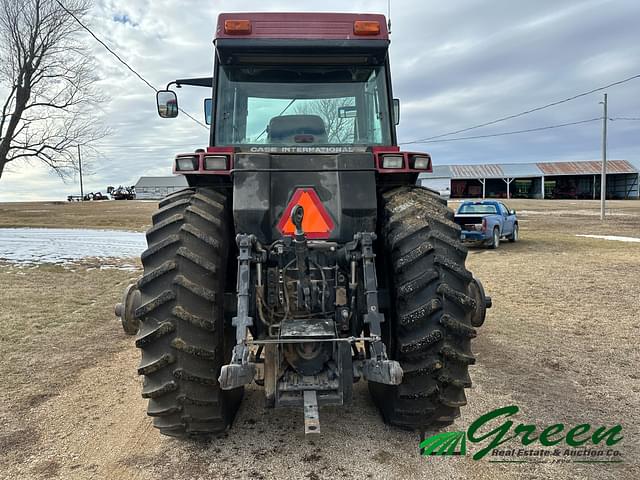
(526, 112)
(279, 115)
(146, 146)
(121, 60)
(634, 119)
(548, 127)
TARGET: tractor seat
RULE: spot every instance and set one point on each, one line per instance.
(297, 129)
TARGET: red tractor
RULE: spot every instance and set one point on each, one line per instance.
(302, 257)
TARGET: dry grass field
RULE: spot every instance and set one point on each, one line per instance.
(560, 342)
(122, 215)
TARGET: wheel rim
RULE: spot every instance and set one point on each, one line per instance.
(516, 234)
(496, 238)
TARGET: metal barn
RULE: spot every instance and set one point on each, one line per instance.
(577, 180)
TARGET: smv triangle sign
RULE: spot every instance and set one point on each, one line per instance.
(317, 223)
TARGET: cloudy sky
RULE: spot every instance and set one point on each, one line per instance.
(454, 64)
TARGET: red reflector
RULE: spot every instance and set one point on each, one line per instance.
(365, 27)
(316, 222)
(237, 27)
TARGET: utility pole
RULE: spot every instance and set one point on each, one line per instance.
(603, 180)
(80, 168)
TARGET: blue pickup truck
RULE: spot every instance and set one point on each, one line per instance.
(487, 221)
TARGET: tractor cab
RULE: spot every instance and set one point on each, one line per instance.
(287, 82)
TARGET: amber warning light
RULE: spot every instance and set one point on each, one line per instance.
(237, 27)
(366, 27)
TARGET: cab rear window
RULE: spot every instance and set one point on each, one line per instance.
(474, 208)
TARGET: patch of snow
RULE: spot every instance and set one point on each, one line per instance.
(66, 245)
(613, 237)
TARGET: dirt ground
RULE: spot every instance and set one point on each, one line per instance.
(560, 342)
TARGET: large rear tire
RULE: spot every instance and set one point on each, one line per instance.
(428, 328)
(182, 333)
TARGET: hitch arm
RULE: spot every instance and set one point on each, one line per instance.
(240, 371)
(378, 368)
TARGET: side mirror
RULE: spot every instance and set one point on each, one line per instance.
(396, 111)
(512, 212)
(208, 105)
(167, 103)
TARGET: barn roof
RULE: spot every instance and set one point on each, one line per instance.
(527, 170)
(583, 168)
(477, 171)
(172, 181)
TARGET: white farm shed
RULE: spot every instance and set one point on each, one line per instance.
(156, 188)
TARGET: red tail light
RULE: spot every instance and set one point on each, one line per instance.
(391, 160)
(484, 224)
(187, 163)
(215, 161)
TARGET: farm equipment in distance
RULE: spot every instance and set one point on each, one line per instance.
(122, 193)
(91, 196)
(302, 256)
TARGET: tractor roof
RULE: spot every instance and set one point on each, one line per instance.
(302, 26)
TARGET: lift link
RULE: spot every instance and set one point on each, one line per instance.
(302, 256)
(378, 368)
(240, 371)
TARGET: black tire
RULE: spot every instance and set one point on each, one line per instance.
(515, 236)
(182, 333)
(495, 239)
(428, 329)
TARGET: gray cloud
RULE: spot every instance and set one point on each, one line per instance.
(454, 64)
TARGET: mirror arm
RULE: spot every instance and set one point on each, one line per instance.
(194, 82)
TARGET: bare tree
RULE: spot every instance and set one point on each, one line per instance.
(47, 76)
(339, 129)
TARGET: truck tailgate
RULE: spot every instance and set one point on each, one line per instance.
(469, 222)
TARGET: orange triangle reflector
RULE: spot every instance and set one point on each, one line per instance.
(316, 222)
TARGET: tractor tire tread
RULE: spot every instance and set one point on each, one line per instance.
(429, 331)
(182, 326)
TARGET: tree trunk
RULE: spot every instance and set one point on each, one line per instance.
(4, 151)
